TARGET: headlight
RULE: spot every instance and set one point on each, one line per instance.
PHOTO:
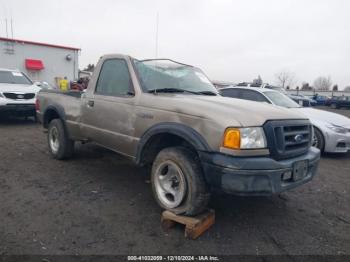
(337, 129)
(244, 138)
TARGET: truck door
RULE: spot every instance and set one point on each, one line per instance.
(108, 110)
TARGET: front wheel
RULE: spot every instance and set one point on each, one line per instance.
(178, 182)
(61, 147)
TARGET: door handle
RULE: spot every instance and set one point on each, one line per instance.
(90, 103)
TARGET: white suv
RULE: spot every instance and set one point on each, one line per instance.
(17, 93)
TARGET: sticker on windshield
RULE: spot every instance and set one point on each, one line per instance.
(203, 78)
(16, 74)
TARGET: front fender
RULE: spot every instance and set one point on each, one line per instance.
(185, 132)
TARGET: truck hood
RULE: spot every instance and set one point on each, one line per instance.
(324, 116)
(15, 88)
(224, 110)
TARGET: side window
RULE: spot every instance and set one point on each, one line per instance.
(114, 78)
(253, 96)
(230, 93)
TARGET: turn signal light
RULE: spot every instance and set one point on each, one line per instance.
(232, 138)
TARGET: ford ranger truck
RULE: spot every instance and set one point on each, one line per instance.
(169, 117)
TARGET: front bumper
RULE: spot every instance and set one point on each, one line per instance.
(336, 142)
(255, 175)
(18, 108)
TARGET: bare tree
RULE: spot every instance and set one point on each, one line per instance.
(285, 78)
(347, 89)
(323, 83)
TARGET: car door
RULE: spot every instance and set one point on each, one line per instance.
(346, 102)
(108, 110)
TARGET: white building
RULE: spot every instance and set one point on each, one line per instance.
(40, 61)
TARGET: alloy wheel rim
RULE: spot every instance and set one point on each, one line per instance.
(54, 142)
(170, 184)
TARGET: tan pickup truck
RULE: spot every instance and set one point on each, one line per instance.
(168, 116)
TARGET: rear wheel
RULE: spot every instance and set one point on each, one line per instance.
(178, 182)
(61, 147)
(318, 139)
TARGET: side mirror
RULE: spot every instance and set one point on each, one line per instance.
(38, 83)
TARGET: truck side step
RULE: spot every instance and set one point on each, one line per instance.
(194, 226)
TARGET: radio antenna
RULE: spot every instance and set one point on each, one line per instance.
(7, 33)
(11, 24)
(11, 28)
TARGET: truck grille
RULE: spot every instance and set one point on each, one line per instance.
(15, 96)
(288, 138)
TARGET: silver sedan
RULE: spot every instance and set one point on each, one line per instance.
(331, 130)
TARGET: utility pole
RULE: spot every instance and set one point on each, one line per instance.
(11, 28)
(157, 25)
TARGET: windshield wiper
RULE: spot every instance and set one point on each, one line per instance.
(208, 93)
(169, 90)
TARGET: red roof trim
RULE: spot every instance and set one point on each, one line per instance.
(38, 43)
(34, 64)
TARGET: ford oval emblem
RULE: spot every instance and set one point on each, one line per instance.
(298, 138)
(20, 96)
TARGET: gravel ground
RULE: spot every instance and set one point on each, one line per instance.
(100, 203)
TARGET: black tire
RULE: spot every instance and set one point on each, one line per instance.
(65, 147)
(319, 138)
(196, 196)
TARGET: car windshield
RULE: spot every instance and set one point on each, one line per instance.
(167, 75)
(14, 77)
(280, 99)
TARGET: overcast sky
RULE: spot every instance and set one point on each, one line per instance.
(230, 40)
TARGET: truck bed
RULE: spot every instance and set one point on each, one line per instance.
(68, 103)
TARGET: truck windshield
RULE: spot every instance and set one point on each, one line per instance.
(14, 77)
(280, 99)
(164, 75)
